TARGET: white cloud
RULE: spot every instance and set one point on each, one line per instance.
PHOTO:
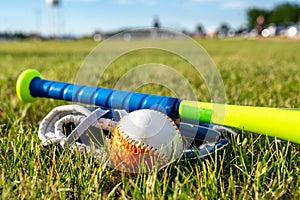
(234, 4)
(204, 1)
(85, 1)
(124, 1)
(149, 2)
(145, 2)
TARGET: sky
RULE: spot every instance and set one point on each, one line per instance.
(79, 17)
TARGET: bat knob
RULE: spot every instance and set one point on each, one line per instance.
(23, 85)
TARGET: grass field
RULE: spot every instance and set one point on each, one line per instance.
(255, 72)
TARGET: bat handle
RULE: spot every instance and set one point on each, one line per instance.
(278, 122)
(30, 85)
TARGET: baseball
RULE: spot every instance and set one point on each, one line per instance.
(145, 138)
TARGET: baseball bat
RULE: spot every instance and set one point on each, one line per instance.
(277, 122)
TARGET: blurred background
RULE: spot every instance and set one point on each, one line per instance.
(56, 37)
(99, 19)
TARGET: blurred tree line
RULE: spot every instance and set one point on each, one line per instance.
(282, 14)
(10, 35)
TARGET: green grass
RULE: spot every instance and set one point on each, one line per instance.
(254, 72)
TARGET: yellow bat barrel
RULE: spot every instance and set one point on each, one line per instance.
(278, 122)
